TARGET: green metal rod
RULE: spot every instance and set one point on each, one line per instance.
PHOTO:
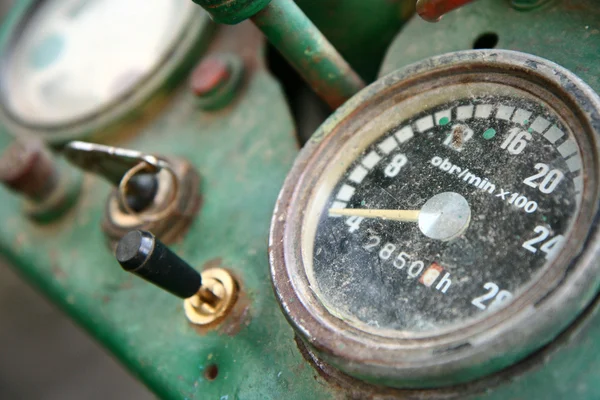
(308, 51)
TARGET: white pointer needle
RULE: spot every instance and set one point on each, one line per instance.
(393, 215)
(445, 216)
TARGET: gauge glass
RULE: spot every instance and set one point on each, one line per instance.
(72, 58)
(442, 210)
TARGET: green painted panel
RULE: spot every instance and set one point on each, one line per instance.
(242, 154)
(564, 31)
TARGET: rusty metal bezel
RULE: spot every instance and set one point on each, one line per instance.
(487, 345)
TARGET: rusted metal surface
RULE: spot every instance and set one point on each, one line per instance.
(524, 380)
(48, 187)
(298, 40)
(433, 10)
(27, 167)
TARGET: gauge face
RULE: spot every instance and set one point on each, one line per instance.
(448, 214)
(72, 58)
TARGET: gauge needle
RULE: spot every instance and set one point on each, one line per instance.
(394, 215)
(444, 216)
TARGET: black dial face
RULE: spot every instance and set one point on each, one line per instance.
(447, 216)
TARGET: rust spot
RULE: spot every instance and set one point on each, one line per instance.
(27, 167)
(431, 274)
(214, 263)
(457, 136)
(58, 272)
(20, 241)
(211, 372)
(238, 318)
(126, 285)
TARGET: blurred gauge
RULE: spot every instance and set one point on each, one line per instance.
(72, 58)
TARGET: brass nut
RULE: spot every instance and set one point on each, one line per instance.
(221, 284)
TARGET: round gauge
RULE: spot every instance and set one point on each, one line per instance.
(439, 226)
(70, 60)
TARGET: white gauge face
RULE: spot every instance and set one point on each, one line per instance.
(74, 57)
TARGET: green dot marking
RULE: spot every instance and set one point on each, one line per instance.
(444, 121)
(489, 134)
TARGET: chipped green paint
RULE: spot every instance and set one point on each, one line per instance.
(444, 121)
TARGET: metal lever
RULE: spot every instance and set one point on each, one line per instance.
(208, 296)
(140, 253)
(132, 172)
(112, 163)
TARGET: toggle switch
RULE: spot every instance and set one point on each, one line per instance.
(208, 296)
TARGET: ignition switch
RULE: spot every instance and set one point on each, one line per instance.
(150, 192)
(208, 296)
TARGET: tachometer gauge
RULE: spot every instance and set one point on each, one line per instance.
(66, 62)
(441, 225)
